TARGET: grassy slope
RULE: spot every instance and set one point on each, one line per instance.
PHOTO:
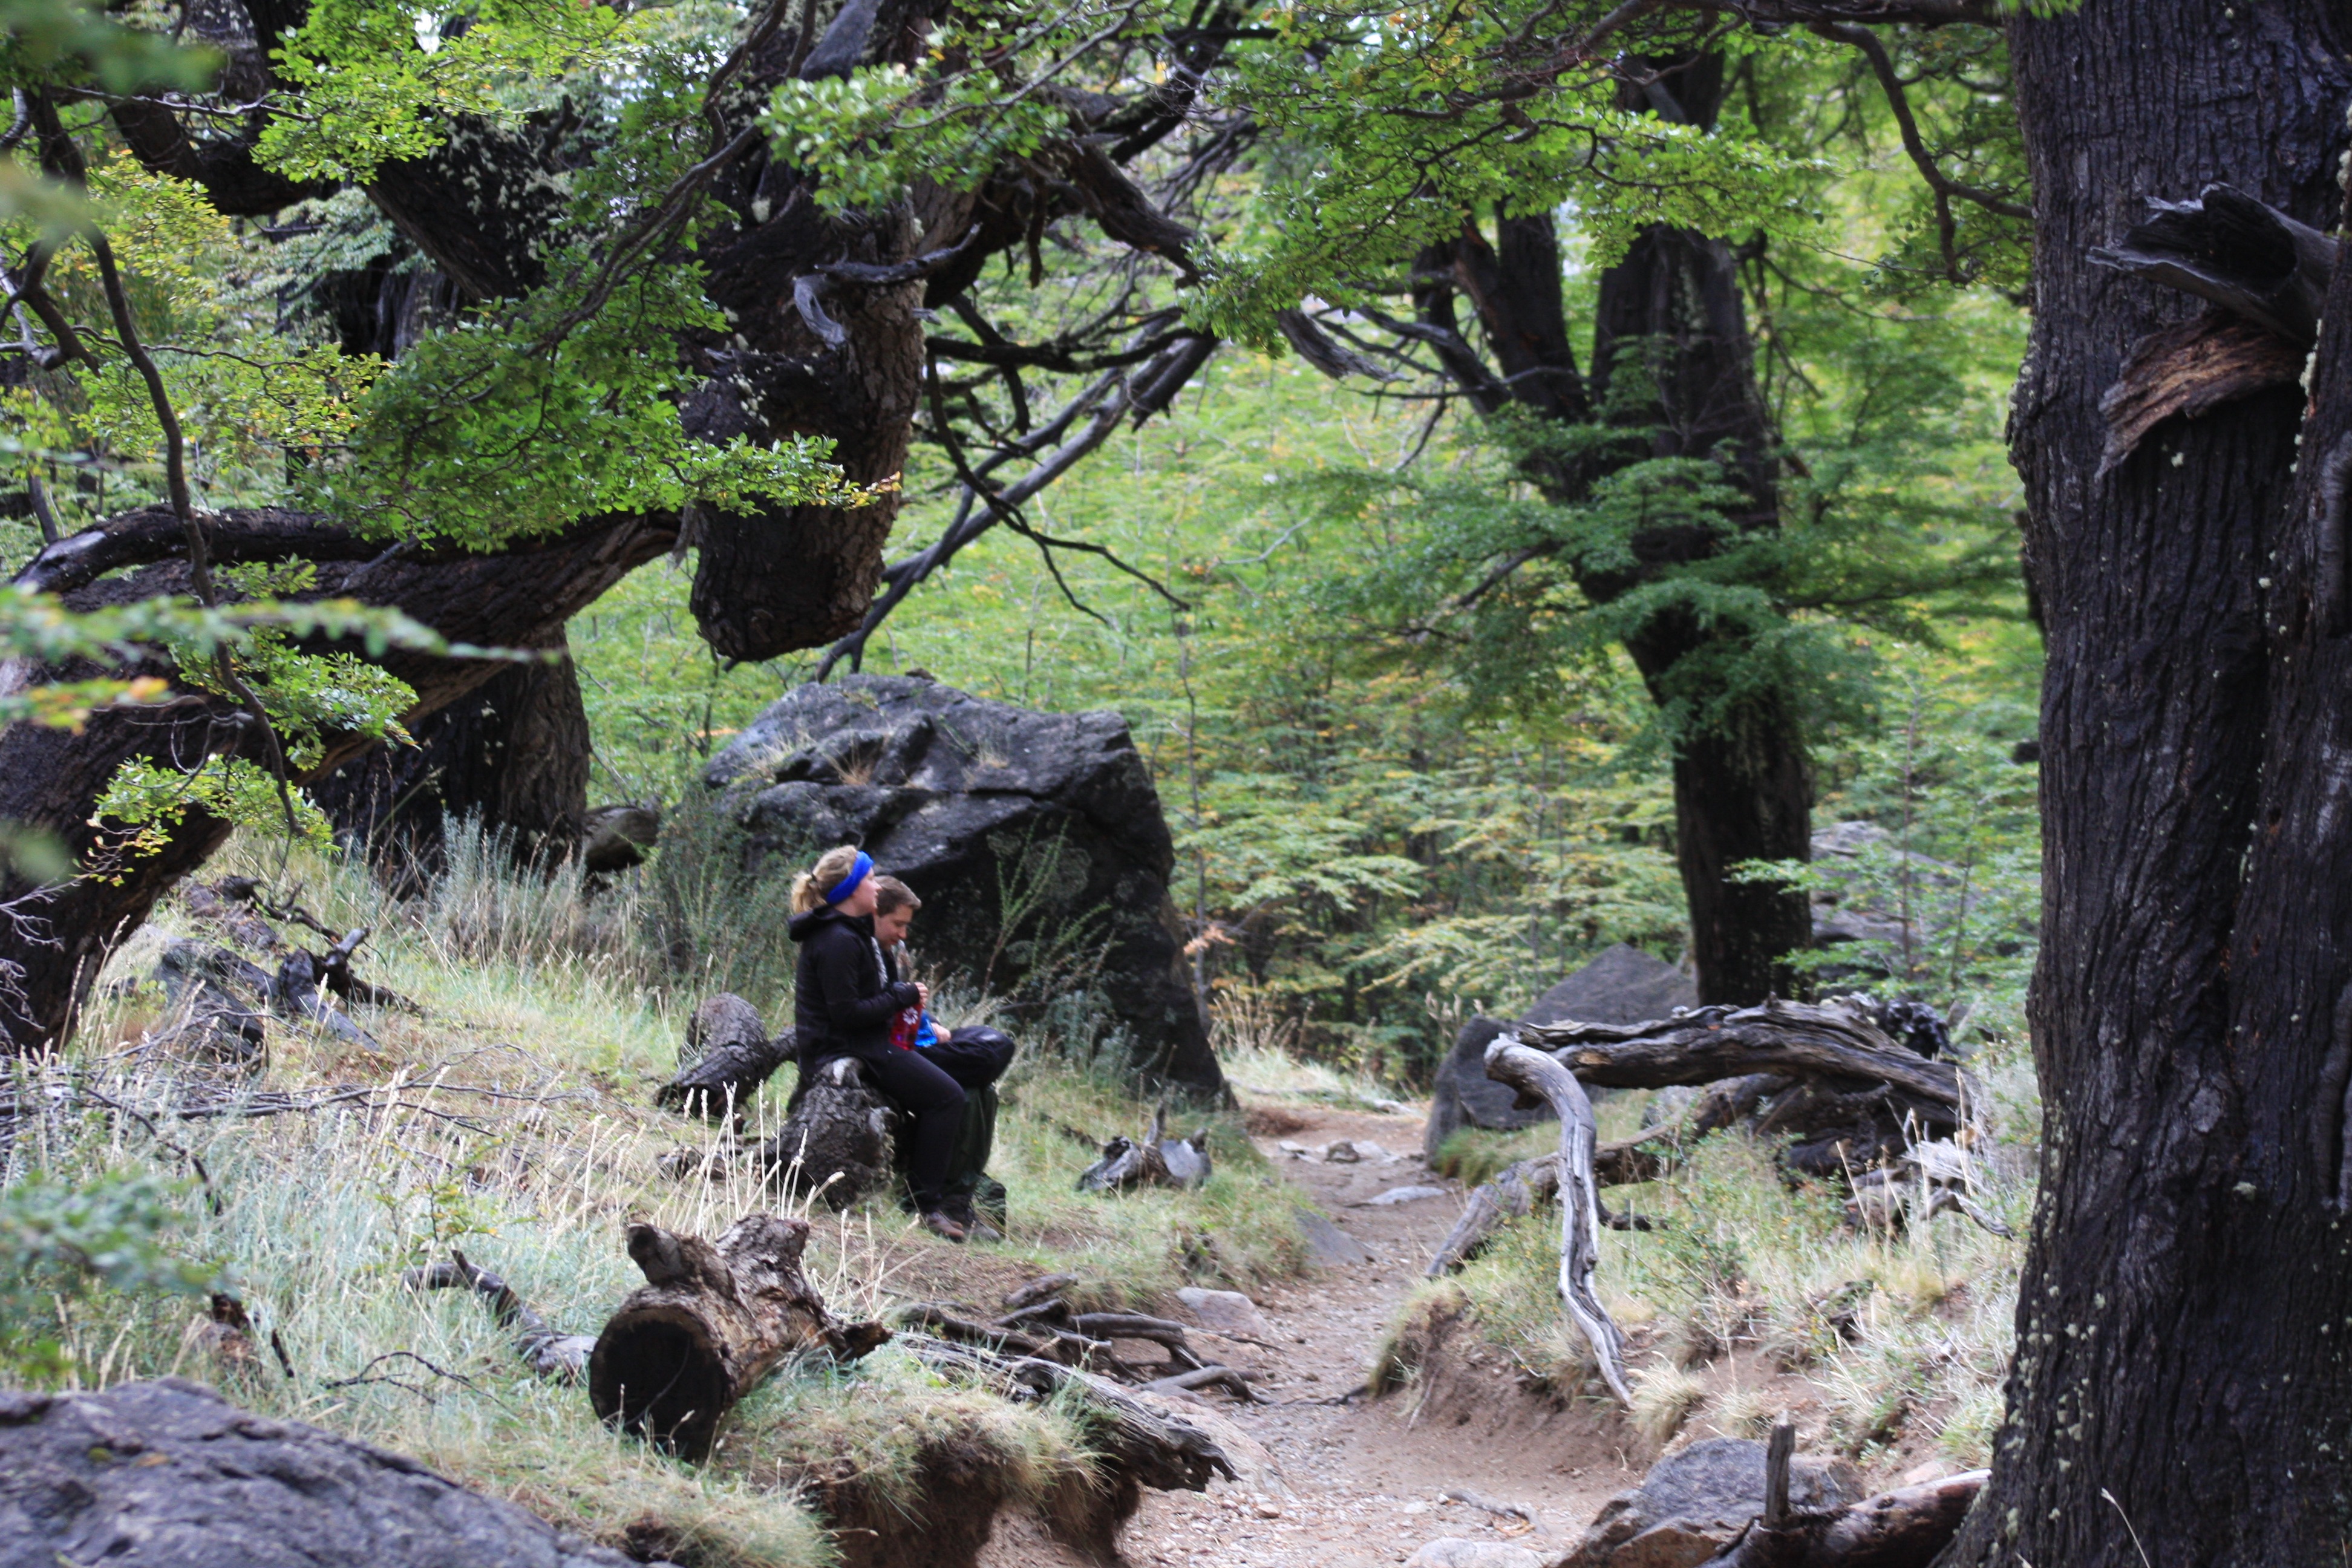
(1904, 1335)
(523, 1135)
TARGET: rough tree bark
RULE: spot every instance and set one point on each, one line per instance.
(49, 779)
(2180, 1386)
(512, 754)
(1743, 781)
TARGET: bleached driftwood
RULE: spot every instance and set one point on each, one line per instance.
(1537, 1075)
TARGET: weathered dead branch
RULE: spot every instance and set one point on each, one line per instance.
(1533, 1073)
(1163, 1452)
(544, 1351)
(1834, 1040)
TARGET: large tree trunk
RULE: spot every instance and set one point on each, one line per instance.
(512, 755)
(1743, 782)
(49, 779)
(2179, 1383)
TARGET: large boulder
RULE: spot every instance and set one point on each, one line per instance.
(1623, 986)
(170, 1475)
(1692, 1503)
(1035, 840)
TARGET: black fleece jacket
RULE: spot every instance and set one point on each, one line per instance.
(844, 1003)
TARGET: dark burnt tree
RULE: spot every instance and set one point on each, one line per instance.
(826, 313)
(2185, 1301)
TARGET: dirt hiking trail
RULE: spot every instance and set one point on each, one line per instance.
(1354, 1482)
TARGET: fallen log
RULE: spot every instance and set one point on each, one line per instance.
(1163, 1452)
(1513, 1194)
(1058, 1345)
(169, 1472)
(1926, 1180)
(1835, 1040)
(1233, 1382)
(727, 1057)
(1536, 1075)
(1156, 1160)
(544, 1351)
(711, 1320)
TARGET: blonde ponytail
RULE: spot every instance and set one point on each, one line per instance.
(809, 887)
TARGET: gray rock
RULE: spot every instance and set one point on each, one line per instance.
(1327, 1244)
(978, 806)
(1455, 1552)
(1623, 986)
(1395, 1195)
(1693, 1502)
(170, 1475)
(616, 838)
(1225, 1312)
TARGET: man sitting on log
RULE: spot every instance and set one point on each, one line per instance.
(974, 1055)
(847, 1000)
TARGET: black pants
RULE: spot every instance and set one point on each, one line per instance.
(976, 1057)
(934, 1102)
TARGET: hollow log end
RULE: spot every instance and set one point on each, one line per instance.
(656, 1373)
(854, 1342)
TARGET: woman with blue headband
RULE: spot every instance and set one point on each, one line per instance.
(844, 1006)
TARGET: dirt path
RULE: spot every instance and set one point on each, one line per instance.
(1360, 1484)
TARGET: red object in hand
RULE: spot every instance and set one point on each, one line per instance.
(906, 1027)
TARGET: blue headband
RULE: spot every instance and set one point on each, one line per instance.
(848, 885)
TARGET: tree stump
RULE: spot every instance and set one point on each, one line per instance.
(836, 1140)
(711, 1320)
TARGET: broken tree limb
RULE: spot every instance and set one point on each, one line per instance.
(1057, 1345)
(545, 1351)
(1540, 1076)
(1199, 1377)
(1513, 1194)
(1163, 1452)
(711, 1320)
(2243, 253)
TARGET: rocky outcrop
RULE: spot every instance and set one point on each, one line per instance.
(170, 1475)
(1693, 1503)
(1624, 985)
(1035, 841)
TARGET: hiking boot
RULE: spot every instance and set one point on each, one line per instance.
(941, 1224)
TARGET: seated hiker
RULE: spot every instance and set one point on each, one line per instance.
(974, 1055)
(847, 998)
